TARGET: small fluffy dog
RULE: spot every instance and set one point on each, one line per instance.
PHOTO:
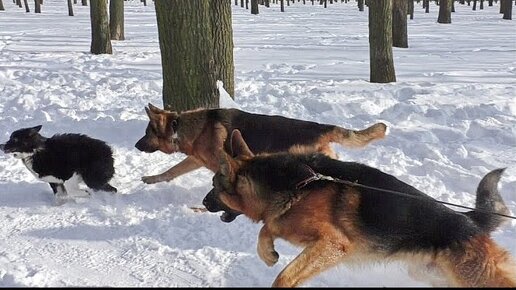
(334, 210)
(63, 159)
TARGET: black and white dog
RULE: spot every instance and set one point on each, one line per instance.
(63, 160)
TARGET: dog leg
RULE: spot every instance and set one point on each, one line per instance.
(190, 163)
(314, 259)
(265, 247)
(60, 194)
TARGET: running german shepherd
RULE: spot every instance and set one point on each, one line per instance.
(200, 133)
(337, 222)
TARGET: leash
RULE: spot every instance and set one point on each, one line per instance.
(317, 176)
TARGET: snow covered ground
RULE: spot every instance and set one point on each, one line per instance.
(452, 118)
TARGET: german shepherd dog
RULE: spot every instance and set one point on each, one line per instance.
(200, 133)
(337, 222)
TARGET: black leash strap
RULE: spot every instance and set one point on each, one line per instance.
(314, 176)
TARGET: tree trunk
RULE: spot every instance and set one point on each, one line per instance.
(70, 8)
(84, 2)
(507, 13)
(399, 23)
(222, 29)
(411, 9)
(187, 57)
(427, 7)
(100, 38)
(116, 19)
(2, 8)
(26, 4)
(444, 11)
(474, 5)
(37, 6)
(282, 5)
(380, 42)
(19, 4)
(360, 5)
(254, 6)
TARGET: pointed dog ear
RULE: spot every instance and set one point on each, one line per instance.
(155, 109)
(224, 163)
(238, 146)
(35, 130)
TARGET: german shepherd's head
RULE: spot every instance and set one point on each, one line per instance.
(161, 132)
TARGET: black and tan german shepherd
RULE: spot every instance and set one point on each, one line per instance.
(343, 223)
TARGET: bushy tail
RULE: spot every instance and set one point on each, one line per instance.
(357, 139)
(489, 200)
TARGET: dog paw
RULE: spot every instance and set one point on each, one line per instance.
(151, 179)
(269, 256)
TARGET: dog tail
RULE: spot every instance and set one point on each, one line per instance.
(358, 138)
(489, 200)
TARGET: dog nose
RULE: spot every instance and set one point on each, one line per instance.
(205, 202)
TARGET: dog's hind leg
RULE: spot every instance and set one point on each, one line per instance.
(314, 259)
(188, 164)
(481, 263)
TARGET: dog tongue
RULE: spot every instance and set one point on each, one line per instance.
(227, 217)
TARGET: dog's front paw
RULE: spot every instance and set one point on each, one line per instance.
(268, 255)
(151, 179)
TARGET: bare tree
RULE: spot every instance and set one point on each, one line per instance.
(116, 19)
(380, 41)
(399, 23)
(186, 40)
(254, 6)
(445, 11)
(70, 8)
(100, 36)
(222, 31)
(507, 11)
(37, 6)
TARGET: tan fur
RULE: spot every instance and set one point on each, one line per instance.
(200, 140)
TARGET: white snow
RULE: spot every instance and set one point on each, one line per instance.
(452, 118)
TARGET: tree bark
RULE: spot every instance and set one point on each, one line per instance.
(187, 57)
(2, 8)
(507, 13)
(26, 4)
(399, 23)
(380, 42)
(116, 19)
(70, 8)
(222, 29)
(444, 11)
(37, 6)
(254, 6)
(100, 38)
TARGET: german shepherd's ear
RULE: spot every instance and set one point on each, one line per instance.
(34, 130)
(155, 109)
(224, 163)
(238, 146)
